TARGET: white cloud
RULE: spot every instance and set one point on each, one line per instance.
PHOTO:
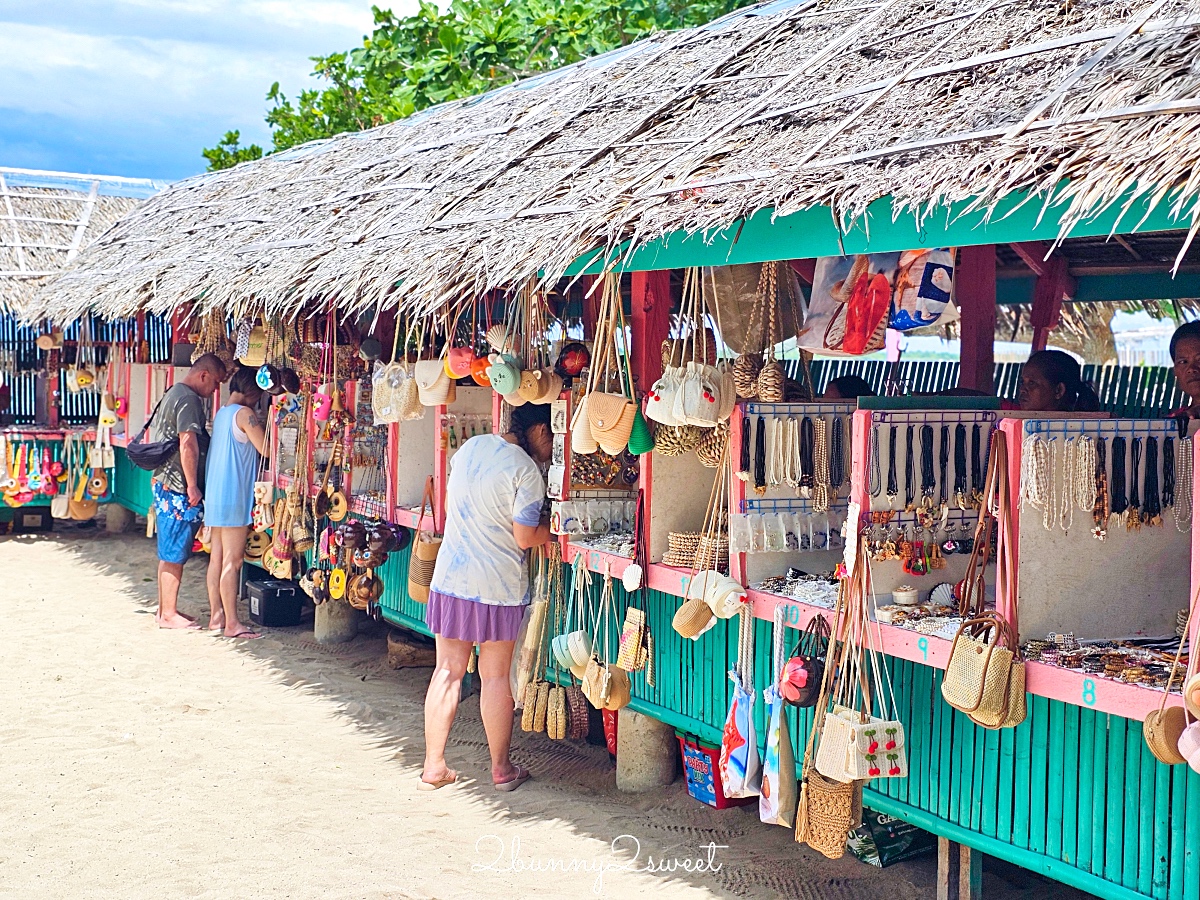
(165, 66)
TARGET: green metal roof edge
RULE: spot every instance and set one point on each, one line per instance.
(814, 232)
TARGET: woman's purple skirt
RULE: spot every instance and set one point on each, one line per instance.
(469, 620)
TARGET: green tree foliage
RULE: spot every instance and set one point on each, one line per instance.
(414, 62)
(229, 152)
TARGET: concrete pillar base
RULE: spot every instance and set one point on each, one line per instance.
(118, 519)
(335, 622)
(647, 753)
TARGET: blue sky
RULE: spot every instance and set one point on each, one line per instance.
(138, 87)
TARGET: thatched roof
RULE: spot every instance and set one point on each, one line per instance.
(47, 218)
(787, 105)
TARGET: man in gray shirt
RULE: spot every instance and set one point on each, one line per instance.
(179, 482)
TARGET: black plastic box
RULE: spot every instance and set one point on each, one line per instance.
(274, 603)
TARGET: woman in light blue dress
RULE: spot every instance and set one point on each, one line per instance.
(237, 440)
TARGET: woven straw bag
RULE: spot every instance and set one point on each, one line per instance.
(425, 549)
(611, 419)
(692, 619)
(577, 713)
(556, 713)
(977, 676)
(1164, 726)
(529, 705)
(827, 811)
(434, 387)
(582, 441)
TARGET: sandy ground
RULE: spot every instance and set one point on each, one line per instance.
(143, 763)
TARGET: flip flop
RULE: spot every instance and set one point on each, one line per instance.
(423, 785)
(246, 635)
(522, 776)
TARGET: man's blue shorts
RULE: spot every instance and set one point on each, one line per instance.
(175, 539)
(177, 524)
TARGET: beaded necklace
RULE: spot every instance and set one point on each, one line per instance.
(892, 488)
(909, 469)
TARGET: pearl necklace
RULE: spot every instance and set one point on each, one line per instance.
(1085, 472)
(791, 453)
(1066, 506)
(1183, 484)
(775, 462)
(820, 465)
(1035, 469)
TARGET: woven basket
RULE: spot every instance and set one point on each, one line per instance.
(745, 375)
(712, 445)
(673, 440)
(828, 810)
(577, 713)
(1161, 730)
(556, 713)
(771, 382)
(529, 706)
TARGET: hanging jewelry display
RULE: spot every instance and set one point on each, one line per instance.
(820, 466)
(943, 462)
(875, 478)
(1152, 502)
(1120, 501)
(1035, 476)
(960, 466)
(976, 466)
(893, 489)
(1183, 481)
(1101, 509)
(791, 453)
(775, 461)
(1084, 490)
(1134, 522)
(837, 458)
(760, 455)
(1066, 502)
(807, 438)
(927, 478)
(909, 470)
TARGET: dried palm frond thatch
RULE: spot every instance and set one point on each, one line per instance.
(784, 106)
(47, 218)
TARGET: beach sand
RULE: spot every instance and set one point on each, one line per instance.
(139, 763)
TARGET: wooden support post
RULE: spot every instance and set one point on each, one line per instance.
(975, 287)
(650, 321)
(1054, 284)
(1048, 294)
(960, 871)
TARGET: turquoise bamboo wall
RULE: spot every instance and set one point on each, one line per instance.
(131, 484)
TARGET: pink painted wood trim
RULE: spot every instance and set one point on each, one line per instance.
(441, 455)
(902, 643)
(1014, 432)
(391, 465)
(408, 517)
(737, 487)
(1194, 637)
(860, 455)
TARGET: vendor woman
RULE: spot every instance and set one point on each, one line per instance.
(480, 587)
(1185, 356)
(1052, 381)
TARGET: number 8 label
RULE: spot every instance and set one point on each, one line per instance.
(1089, 692)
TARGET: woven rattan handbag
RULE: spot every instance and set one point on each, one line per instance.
(827, 809)
(1164, 726)
(424, 552)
